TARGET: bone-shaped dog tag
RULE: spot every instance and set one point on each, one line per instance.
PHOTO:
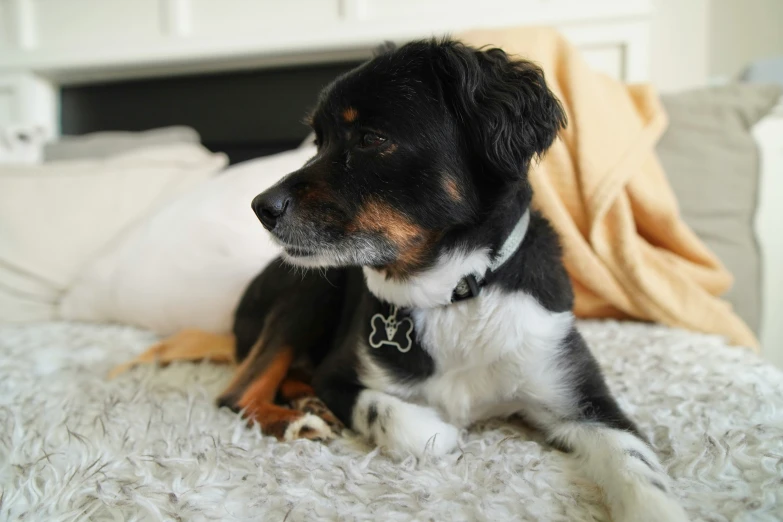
(387, 330)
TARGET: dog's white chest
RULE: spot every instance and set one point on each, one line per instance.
(491, 354)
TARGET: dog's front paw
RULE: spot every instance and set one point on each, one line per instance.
(433, 437)
(403, 428)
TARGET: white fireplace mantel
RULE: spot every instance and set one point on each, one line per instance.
(48, 43)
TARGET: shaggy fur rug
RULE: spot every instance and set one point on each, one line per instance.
(152, 446)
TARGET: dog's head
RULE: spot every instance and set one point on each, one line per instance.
(415, 148)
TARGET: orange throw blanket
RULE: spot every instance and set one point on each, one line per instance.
(628, 252)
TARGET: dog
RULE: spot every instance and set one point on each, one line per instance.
(429, 294)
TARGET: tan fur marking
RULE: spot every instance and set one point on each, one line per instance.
(273, 419)
(452, 189)
(293, 388)
(187, 345)
(350, 114)
(263, 387)
(391, 149)
(317, 193)
(379, 217)
(412, 241)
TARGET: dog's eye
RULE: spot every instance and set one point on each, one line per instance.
(370, 139)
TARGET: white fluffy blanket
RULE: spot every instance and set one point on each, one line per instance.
(151, 445)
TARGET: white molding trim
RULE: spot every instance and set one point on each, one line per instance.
(352, 10)
(356, 27)
(176, 17)
(631, 38)
(23, 20)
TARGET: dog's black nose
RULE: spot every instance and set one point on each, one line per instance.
(270, 206)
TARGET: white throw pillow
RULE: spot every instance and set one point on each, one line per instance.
(56, 217)
(109, 143)
(188, 265)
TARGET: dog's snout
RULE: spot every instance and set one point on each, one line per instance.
(271, 205)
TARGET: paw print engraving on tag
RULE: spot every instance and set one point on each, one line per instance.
(389, 331)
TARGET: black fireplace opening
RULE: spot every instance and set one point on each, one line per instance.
(245, 114)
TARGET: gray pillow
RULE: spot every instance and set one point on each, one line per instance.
(104, 144)
(711, 160)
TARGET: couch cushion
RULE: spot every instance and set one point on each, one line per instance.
(712, 163)
(186, 265)
(55, 217)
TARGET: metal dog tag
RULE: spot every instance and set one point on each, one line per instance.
(387, 330)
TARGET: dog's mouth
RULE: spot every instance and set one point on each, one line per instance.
(306, 250)
(301, 255)
(309, 258)
(293, 251)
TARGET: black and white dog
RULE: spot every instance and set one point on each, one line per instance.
(439, 297)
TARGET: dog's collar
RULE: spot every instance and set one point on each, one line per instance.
(393, 326)
(470, 285)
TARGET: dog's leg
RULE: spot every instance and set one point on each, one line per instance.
(583, 419)
(284, 318)
(402, 427)
(187, 345)
(385, 420)
(253, 390)
(298, 393)
(258, 376)
(635, 486)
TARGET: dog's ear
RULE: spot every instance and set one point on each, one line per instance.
(507, 112)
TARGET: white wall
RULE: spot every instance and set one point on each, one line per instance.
(741, 31)
(698, 42)
(679, 44)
